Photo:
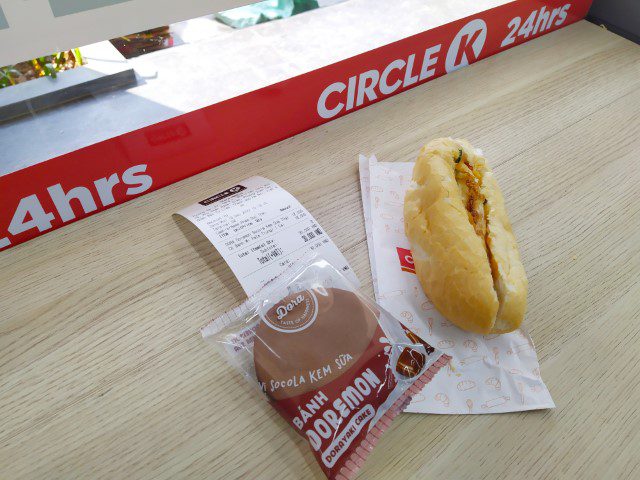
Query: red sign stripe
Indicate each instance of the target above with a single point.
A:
(50, 194)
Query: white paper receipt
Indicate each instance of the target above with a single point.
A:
(260, 229)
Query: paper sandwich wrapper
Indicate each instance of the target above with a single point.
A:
(488, 373)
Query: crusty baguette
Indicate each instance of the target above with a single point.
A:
(464, 250)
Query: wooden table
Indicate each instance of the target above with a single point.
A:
(103, 373)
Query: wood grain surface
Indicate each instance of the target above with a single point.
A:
(103, 374)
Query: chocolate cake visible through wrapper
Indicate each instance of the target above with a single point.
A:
(344, 327)
(337, 367)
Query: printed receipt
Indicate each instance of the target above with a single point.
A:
(260, 229)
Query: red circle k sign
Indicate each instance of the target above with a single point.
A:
(467, 45)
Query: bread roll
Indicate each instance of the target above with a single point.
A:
(464, 250)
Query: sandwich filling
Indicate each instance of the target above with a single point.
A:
(469, 179)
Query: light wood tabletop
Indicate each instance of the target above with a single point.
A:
(103, 373)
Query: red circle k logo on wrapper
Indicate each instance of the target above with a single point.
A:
(293, 313)
(406, 260)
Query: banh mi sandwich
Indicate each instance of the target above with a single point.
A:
(463, 248)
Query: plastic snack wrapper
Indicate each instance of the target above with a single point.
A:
(335, 365)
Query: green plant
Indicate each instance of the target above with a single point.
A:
(43, 67)
(46, 66)
(52, 64)
(78, 56)
(6, 76)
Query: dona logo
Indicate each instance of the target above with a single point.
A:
(283, 310)
(293, 313)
